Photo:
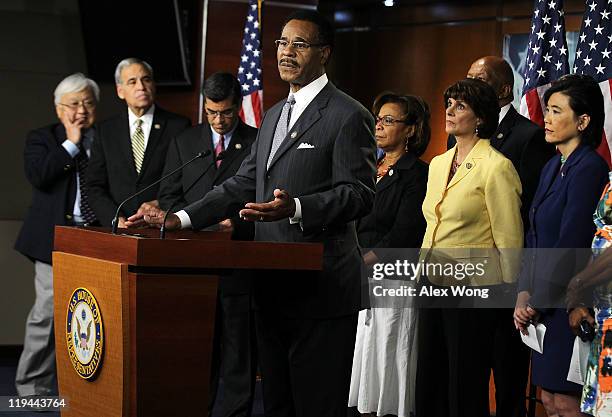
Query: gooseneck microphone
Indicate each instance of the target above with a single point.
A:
(162, 230)
(115, 223)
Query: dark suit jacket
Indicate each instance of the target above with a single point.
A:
(112, 173)
(561, 216)
(52, 172)
(522, 142)
(184, 147)
(397, 218)
(334, 181)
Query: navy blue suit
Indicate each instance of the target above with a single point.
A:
(561, 218)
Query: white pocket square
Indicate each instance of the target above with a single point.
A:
(305, 145)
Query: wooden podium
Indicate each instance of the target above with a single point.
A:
(157, 300)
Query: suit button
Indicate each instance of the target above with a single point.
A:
(68, 217)
(67, 167)
(267, 176)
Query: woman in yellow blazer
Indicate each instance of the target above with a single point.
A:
(472, 209)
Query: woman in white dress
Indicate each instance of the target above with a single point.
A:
(384, 362)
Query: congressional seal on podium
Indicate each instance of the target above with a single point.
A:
(84, 333)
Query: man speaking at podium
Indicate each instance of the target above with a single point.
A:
(312, 168)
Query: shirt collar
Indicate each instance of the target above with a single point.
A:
(504, 111)
(307, 93)
(147, 118)
(227, 137)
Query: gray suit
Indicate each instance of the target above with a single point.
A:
(334, 181)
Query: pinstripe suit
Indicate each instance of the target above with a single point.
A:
(300, 314)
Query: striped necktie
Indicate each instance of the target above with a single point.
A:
(281, 127)
(138, 145)
(82, 161)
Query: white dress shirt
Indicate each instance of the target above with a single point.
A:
(73, 150)
(147, 123)
(503, 112)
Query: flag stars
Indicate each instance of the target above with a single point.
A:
(558, 28)
(563, 50)
(250, 18)
(536, 12)
(593, 6)
(240, 70)
(546, 20)
(558, 65)
(553, 43)
(600, 69)
(604, 15)
(536, 49)
(547, 57)
(531, 64)
(249, 75)
(541, 34)
(599, 30)
(532, 28)
(587, 61)
(245, 87)
(541, 72)
(552, 4)
(244, 58)
(593, 45)
(582, 38)
(561, 12)
(605, 53)
(579, 53)
(587, 22)
(249, 47)
(256, 53)
(253, 35)
(256, 82)
(252, 65)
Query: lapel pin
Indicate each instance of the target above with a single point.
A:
(468, 165)
(238, 146)
(156, 126)
(500, 135)
(390, 172)
(293, 135)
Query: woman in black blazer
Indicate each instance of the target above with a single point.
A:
(384, 362)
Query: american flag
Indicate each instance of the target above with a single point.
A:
(593, 57)
(547, 56)
(249, 71)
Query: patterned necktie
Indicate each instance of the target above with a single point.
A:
(138, 145)
(82, 160)
(219, 148)
(281, 127)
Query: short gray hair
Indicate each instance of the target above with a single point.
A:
(74, 83)
(126, 63)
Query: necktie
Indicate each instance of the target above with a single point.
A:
(281, 127)
(219, 148)
(138, 145)
(81, 162)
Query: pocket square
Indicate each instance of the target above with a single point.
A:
(305, 145)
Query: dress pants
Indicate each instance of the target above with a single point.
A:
(234, 356)
(36, 371)
(306, 364)
(454, 365)
(510, 364)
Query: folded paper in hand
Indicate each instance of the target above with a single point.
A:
(578, 363)
(535, 337)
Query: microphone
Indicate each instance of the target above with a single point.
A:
(162, 230)
(115, 223)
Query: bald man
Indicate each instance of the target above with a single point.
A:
(521, 141)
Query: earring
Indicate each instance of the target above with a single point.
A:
(406, 145)
(477, 130)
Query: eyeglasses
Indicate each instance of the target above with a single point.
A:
(388, 120)
(283, 44)
(224, 114)
(88, 104)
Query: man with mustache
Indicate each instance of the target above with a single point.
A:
(309, 176)
(55, 159)
(131, 148)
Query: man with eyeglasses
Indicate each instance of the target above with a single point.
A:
(309, 176)
(131, 148)
(55, 159)
(234, 344)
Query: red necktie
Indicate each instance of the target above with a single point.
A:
(219, 148)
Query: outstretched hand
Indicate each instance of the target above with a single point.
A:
(282, 207)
